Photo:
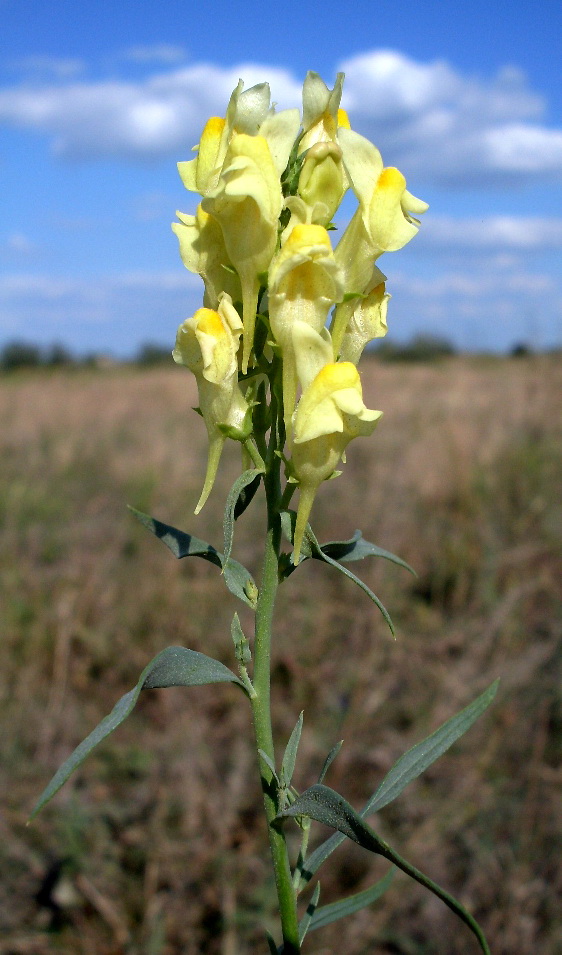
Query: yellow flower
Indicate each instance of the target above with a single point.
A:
(203, 251)
(245, 112)
(304, 283)
(321, 112)
(382, 223)
(208, 345)
(247, 203)
(367, 320)
(248, 112)
(330, 413)
(321, 180)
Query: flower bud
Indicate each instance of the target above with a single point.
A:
(321, 178)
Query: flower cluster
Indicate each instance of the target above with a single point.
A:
(270, 184)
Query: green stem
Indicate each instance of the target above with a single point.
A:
(256, 457)
(261, 707)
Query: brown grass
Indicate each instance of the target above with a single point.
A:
(157, 846)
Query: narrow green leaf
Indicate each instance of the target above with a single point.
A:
(270, 764)
(423, 754)
(407, 768)
(329, 760)
(354, 903)
(304, 923)
(178, 542)
(290, 755)
(175, 666)
(245, 479)
(311, 547)
(246, 496)
(273, 950)
(319, 553)
(357, 548)
(326, 806)
(241, 645)
(238, 580)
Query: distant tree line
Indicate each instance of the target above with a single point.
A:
(21, 355)
(18, 354)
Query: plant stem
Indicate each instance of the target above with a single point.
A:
(261, 707)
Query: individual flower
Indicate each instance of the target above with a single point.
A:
(367, 320)
(322, 179)
(384, 221)
(245, 112)
(330, 413)
(248, 112)
(321, 112)
(203, 251)
(247, 203)
(304, 283)
(208, 345)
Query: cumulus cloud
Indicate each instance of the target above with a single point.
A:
(497, 233)
(440, 125)
(450, 128)
(159, 116)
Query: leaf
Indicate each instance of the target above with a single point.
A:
(175, 666)
(304, 924)
(273, 950)
(408, 767)
(354, 903)
(270, 764)
(311, 547)
(357, 548)
(329, 760)
(180, 543)
(423, 754)
(245, 479)
(238, 580)
(319, 553)
(246, 496)
(326, 806)
(290, 755)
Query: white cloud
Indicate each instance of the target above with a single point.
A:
(159, 116)
(104, 313)
(158, 53)
(438, 124)
(495, 233)
(17, 244)
(450, 128)
(479, 308)
(61, 68)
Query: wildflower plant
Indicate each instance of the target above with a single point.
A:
(274, 349)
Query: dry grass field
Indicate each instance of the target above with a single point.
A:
(157, 846)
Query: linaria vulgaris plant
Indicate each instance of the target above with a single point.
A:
(274, 350)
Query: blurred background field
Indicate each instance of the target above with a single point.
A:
(157, 845)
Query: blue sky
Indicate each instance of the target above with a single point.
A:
(99, 100)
